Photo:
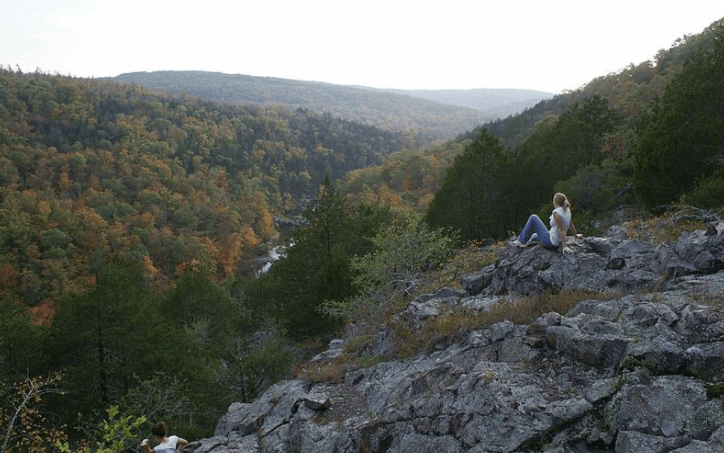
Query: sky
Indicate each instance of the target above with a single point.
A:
(551, 46)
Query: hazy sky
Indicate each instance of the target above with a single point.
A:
(548, 45)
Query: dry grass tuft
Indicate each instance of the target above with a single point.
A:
(714, 301)
(708, 299)
(322, 372)
(456, 324)
(440, 330)
(527, 309)
(667, 227)
(336, 370)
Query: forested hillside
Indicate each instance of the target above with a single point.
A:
(629, 91)
(390, 111)
(498, 102)
(91, 168)
(582, 142)
(126, 218)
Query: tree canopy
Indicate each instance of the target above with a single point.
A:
(471, 198)
(91, 169)
(681, 145)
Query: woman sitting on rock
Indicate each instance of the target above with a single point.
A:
(560, 221)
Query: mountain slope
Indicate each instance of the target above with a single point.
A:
(392, 110)
(499, 102)
(628, 91)
(413, 179)
(80, 157)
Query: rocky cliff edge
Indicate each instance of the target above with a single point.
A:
(640, 371)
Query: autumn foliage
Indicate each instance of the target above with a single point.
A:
(92, 169)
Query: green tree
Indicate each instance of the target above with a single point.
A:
(317, 267)
(21, 339)
(709, 191)
(197, 301)
(253, 363)
(471, 199)
(403, 254)
(162, 396)
(118, 433)
(202, 323)
(558, 149)
(681, 143)
(105, 336)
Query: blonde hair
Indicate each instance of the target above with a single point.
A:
(561, 200)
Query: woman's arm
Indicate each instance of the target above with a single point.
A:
(575, 232)
(181, 444)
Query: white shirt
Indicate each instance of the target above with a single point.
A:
(565, 215)
(167, 447)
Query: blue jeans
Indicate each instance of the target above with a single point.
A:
(536, 225)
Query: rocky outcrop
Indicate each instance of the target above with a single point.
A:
(639, 372)
(614, 263)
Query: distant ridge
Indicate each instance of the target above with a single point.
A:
(501, 102)
(399, 111)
